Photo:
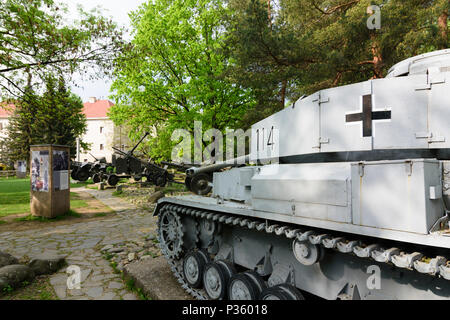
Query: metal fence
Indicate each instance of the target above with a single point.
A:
(8, 173)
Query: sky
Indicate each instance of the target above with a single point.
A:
(118, 10)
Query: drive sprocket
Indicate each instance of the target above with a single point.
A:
(171, 234)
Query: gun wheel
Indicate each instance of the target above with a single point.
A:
(200, 184)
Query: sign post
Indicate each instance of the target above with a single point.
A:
(50, 180)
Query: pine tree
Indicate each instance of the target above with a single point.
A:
(289, 48)
(20, 131)
(54, 118)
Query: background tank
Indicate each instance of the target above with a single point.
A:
(353, 206)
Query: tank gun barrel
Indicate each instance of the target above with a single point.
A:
(217, 166)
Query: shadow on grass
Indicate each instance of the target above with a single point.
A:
(69, 214)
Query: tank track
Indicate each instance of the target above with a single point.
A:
(438, 266)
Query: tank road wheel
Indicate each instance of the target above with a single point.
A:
(193, 267)
(200, 184)
(205, 255)
(281, 292)
(307, 253)
(257, 280)
(242, 287)
(96, 178)
(215, 280)
(112, 180)
(292, 291)
(171, 234)
(209, 227)
(227, 267)
(274, 293)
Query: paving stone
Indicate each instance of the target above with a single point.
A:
(108, 296)
(58, 280)
(80, 243)
(84, 274)
(102, 277)
(75, 292)
(60, 291)
(95, 292)
(129, 296)
(115, 285)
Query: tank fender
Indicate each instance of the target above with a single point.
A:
(159, 205)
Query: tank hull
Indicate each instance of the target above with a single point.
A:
(338, 275)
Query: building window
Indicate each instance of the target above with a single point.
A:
(101, 146)
(101, 129)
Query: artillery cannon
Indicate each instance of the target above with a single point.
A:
(81, 171)
(356, 206)
(130, 165)
(99, 169)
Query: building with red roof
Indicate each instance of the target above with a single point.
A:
(5, 112)
(101, 132)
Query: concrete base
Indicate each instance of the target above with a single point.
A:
(155, 278)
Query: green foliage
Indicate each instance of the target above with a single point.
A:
(174, 73)
(53, 118)
(291, 48)
(37, 38)
(117, 193)
(130, 283)
(111, 170)
(7, 289)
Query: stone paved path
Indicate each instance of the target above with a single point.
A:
(81, 244)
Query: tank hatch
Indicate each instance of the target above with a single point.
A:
(420, 64)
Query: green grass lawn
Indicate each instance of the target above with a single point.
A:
(79, 184)
(15, 197)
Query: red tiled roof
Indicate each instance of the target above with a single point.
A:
(98, 109)
(6, 110)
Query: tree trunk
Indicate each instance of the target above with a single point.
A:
(283, 94)
(377, 58)
(442, 23)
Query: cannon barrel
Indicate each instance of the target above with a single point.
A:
(217, 166)
(132, 150)
(93, 156)
(119, 151)
(182, 166)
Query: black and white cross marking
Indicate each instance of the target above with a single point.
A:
(367, 116)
